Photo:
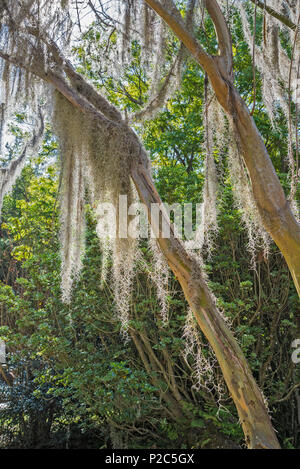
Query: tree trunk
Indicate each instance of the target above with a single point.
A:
(174, 405)
(247, 397)
(245, 393)
(241, 384)
(273, 207)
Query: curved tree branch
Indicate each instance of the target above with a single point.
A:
(243, 388)
(279, 16)
(275, 210)
(223, 35)
(290, 392)
(167, 10)
(9, 175)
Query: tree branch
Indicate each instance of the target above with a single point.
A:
(279, 16)
(223, 34)
(274, 209)
(167, 10)
(81, 85)
(9, 175)
(288, 395)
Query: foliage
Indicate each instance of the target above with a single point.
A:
(75, 376)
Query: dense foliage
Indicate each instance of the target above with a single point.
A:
(75, 381)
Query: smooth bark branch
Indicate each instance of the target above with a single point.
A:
(279, 16)
(273, 207)
(223, 35)
(245, 393)
(241, 384)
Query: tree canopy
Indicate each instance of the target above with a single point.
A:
(197, 102)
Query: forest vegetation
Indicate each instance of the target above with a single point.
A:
(149, 342)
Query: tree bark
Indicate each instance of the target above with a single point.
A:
(273, 207)
(245, 393)
(276, 14)
(247, 397)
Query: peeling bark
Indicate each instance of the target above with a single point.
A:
(247, 397)
(273, 207)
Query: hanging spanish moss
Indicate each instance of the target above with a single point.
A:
(148, 18)
(93, 160)
(280, 73)
(9, 175)
(68, 127)
(244, 200)
(162, 60)
(204, 365)
(220, 139)
(164, 89)
(208, 228)
(96, 156)
(160, 276)
(21, 37)
(124, 257)
(170, 84)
